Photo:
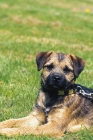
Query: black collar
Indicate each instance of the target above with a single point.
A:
(66, 92)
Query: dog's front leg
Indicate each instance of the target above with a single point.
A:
(34, 119)
(50, 129)
(56, 125)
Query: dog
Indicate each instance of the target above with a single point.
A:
(59, 107)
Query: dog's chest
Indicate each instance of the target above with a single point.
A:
(52, 104)
(52, 100)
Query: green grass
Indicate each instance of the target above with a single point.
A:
(28, 27)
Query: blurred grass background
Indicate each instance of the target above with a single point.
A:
(28, 27)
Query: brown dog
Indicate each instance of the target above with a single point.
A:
(58, 109)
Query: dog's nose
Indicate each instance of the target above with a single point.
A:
(56, 78)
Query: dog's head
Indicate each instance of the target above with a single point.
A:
(59, 70)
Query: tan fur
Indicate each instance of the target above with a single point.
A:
(71, 114)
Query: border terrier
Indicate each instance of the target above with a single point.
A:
(60, 105)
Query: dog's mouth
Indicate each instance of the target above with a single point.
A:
(56, 86)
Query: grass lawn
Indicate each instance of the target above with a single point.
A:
(28, 27)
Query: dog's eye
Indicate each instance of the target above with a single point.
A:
(67, 70)
(49, 67)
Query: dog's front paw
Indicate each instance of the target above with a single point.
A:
(9, 132)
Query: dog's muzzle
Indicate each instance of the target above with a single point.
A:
(56, 81)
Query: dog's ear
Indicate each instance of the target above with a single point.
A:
(41, 59)
(78, 64)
